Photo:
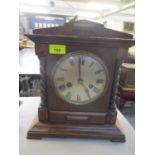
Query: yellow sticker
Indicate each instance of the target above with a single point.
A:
(57, 49)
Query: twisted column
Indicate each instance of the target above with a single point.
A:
(114, 97)
(43, 81)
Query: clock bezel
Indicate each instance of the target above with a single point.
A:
(82, 53)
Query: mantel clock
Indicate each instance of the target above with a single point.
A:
(80, 69)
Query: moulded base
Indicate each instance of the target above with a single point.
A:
(111, 132)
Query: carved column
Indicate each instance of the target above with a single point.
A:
(114, 97)
(121, 55)
(42, 111)
(112, 105)
(43, 81)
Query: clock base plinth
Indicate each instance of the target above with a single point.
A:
(111, 132)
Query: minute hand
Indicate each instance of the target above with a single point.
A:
(79, 69)
(85, 89)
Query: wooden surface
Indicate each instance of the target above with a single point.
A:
(67, 146)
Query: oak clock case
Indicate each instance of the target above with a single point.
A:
(79, 88)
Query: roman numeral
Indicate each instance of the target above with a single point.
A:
(68, 95)
(96, 90)
(99, 81)
(62, 87)
(82, 60)
(78, 98)
(98, 71)
(91, 64)
(87, 92)
(65, 70)
(71, 61)
(60, 79)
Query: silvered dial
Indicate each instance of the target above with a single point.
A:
(79, 78)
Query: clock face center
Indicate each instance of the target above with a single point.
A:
(69, 84)
(79, 78)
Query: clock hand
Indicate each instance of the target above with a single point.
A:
(79, 69)
(87, 92)
(80, 79)
(85, 89)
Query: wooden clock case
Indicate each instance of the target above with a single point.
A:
(96, 120)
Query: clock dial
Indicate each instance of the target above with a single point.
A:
(79, 78)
